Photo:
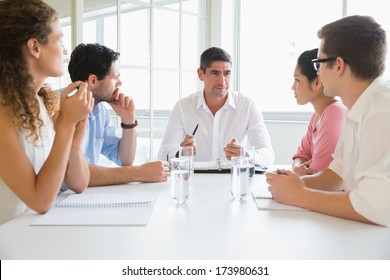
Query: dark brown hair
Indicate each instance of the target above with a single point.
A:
(306, 66)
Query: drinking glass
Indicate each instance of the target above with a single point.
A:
(188, 153)
(239, 177)
(180, 179)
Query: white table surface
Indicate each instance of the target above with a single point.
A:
(209, 226)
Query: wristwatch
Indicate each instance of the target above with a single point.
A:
(129, 126)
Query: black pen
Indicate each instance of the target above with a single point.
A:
(280, 171)
(196, 128)
(169, 165)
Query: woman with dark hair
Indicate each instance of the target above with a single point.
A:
(35, 158)
(356, 185)
(317, 146)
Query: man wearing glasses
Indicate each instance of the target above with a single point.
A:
(356, 185)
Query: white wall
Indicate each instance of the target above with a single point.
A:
(285, 137)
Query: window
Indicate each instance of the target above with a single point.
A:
(273, 34)
(160, 42)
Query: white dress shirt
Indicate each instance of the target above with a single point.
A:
(238, 118)
(362, 155)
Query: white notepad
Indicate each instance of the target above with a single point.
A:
(264, 201)
(100, 209)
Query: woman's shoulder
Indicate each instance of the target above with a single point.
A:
(337, 106)
(333, 114)
(334, 110)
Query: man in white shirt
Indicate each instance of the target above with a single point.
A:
(226, 119)
(356, 185)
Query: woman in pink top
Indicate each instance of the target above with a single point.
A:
(317, 146)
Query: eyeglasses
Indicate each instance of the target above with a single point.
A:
(317, 61)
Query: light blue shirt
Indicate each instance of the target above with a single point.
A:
(101, 137)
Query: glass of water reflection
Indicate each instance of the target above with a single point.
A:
(250, 154)
(188, 153)
(180, 179)
(239, 177)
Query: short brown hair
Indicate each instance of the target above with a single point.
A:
(360, 41)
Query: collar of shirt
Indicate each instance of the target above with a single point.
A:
(229, 102)
(96, 111)
(358, 109)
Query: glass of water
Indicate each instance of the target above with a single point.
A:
(250, 154)
(239, 177)
(180, 179)
(188, 153)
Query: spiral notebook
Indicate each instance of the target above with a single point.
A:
(100, 209)
(264, 201)
(217, 166)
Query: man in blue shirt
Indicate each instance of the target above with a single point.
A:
(98, 66)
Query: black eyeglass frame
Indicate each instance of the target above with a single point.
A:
(317, 61)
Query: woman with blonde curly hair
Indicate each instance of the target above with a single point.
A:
(40, 147)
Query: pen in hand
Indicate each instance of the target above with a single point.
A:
(193, 133)
(280, 171)
(72, 92)
(169, 164)
(196, 128)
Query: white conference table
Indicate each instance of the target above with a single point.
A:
(210, 225)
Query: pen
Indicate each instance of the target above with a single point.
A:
(72, 92)
(280, 171)
(196, 128)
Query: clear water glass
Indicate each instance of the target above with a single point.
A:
(251, 153)
(180, 179)
(239, 177)
(188, 153)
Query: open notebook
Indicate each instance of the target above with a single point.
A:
(217, 166)
(100, 209)
(264, 201)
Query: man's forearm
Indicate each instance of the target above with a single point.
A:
(103, 176)
(127, 147)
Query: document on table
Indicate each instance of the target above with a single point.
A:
(100, 209)
(264, 201)
(219, 167)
